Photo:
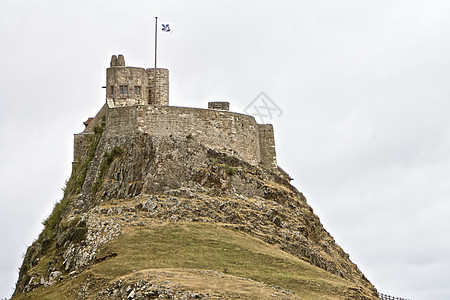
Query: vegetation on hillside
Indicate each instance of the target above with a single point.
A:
(186, 246)
(46, 242)
(174, 204)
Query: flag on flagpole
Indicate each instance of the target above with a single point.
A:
(167, 27)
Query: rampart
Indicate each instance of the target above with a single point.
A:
(228, 132)
(231, 133)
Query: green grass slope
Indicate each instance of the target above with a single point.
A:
(182, 248)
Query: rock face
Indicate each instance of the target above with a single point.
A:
(166, 284)
(208, 179)
(137, 180)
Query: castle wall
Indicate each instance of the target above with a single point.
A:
(130, 78)
(231, 133)
(132, 106)
(99, 118)
(267, 145)
(162, 86)
(82, 140)
(128, 86)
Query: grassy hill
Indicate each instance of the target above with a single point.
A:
(240, 265)
(167, 218)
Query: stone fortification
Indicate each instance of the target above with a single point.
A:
(217, 105)
(227, 132)
(230, 133)
(267, 146)
(130, 107)
(127, 86)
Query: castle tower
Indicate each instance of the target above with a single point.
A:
(128, 86)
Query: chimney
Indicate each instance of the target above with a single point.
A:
(218, 105)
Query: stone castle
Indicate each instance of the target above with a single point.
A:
(133, 104)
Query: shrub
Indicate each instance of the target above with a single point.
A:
(230, 170)
(55, 217)
(76, 180)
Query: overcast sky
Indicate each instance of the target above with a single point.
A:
(363, 86)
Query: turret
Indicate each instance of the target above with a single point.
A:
(128, 86)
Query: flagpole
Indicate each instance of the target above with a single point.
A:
(154, 73)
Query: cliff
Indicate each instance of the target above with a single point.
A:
(181, 203)
(153, 217)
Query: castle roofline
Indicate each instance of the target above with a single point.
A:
(140, 68)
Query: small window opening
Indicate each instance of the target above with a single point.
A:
(123, 90)
(137, 90)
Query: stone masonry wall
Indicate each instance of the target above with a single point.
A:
(267, 145)
(83, 140)
(137, 86)
(129, 77)
(232, 133)
(219, 105)
(162, 86)
(98, 119)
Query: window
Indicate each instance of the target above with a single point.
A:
(112, 90)
(123, 90)
(137, 90)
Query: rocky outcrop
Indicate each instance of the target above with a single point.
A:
(175, 284)
(138, 179)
